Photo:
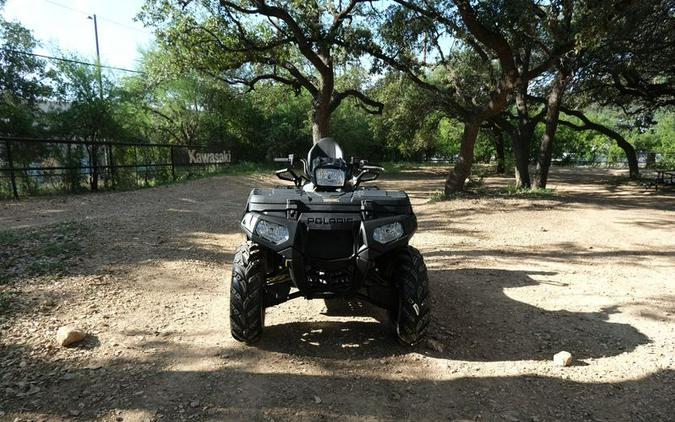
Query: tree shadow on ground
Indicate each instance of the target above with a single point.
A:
(566, 252)
(473, 320)
(135, 391)
(581, 187)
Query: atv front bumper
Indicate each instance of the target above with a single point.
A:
(331, 253)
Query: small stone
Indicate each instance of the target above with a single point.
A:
(317, 400)
(562, 358)
(194, 403)
(395, 396)
(434, 345)
(74, 413)
(67, 335)
(68, 376)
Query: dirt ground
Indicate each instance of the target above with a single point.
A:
(589, 269)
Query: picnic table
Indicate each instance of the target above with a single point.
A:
(664, 178)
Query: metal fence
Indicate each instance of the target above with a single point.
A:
(30, 166)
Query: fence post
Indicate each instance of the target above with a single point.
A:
(173, 165)
(111, 163)
(12, 176)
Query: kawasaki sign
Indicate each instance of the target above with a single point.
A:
(196, 157)
(202, 156)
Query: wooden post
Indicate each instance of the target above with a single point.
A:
(12, 176)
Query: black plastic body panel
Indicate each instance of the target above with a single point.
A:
(330, 247)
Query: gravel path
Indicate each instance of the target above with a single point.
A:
(589, 270)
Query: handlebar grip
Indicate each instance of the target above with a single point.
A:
(281, 160)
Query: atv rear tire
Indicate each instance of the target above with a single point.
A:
(412, 282)
(247, 293)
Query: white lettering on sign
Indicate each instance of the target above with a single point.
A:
(209, 157)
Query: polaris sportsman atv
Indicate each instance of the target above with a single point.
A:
(327, 237)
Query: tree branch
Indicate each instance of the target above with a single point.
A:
(277, 12)
(493, 40)
(340, 16)
(364, 101)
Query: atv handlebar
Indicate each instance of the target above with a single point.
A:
(360, 170)
(372, 168)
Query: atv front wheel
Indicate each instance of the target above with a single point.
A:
(247, 293)
(412, 282)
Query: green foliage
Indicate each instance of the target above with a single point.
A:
(512, 191)
(412, 125)
(21, 80)
(196, 91)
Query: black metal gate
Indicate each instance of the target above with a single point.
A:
(31, 166)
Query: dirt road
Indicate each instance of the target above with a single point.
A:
(589, 270)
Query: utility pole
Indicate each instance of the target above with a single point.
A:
(98, 57)
(94, 149)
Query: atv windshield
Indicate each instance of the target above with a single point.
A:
(325, 166)
(324, 151)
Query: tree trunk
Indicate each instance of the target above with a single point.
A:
(552, 114)
(628, 149)
(457, 177)
(521, 142)
(320, 123)
(521, 152)
(631, 157)
(499, 148)
(321, 103)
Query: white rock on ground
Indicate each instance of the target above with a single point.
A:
(68, 335)
(434, 345)
(562, 358)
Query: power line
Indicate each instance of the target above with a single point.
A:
(143, 31)
(67, 7)
(114, 22)
(72, 61)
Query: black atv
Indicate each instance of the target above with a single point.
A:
(329, 237)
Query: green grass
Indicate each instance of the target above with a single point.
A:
(511, 191)
(476, 188)
(250, 168)
(398, 166)
(43, 251)
(437, 197)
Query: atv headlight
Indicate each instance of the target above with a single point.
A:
(330, 177)
(388, 232)
(275, 233)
